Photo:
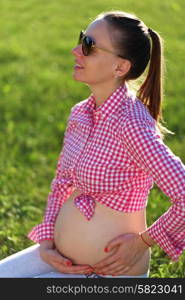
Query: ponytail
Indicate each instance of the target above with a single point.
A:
(151, 91)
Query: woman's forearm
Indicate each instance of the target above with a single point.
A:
(147, 239)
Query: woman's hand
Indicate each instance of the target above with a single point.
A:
(125, 251)
(51, 256)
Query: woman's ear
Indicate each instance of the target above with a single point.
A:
(123, 67)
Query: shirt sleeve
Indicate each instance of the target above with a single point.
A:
(61, 188)
(144, 144)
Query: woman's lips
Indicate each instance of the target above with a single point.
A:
(78, 67)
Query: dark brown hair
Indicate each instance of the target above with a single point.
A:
(140, 44)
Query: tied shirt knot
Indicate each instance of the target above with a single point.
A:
(86, 205)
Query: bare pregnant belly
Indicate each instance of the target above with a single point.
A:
(84, 241)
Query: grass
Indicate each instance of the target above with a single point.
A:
(37, 92)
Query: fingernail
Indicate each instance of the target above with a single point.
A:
(106, 249)
(69, 263)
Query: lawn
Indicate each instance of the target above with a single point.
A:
(37, 92)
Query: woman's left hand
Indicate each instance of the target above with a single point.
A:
(125, 251)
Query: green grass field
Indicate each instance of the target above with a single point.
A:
(37, 92)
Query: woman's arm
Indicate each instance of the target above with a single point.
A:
(61, 188)
(142, 141)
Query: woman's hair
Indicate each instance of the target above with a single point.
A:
(140, 44)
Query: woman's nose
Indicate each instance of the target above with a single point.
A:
(77, 50)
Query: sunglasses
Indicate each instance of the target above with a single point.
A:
(88, 45)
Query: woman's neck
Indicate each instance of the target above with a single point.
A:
(102, 93)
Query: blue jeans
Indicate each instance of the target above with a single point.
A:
(28, 264)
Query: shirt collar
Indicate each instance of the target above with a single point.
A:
(110, 105)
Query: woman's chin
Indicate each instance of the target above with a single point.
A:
(78, 78)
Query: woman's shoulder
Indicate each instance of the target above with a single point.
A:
(138, 112)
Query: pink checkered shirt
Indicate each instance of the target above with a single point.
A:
(114, 154)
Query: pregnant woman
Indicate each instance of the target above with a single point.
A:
(113, 152)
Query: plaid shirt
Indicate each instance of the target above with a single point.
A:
(114, 154)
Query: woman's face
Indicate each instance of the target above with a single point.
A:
(99, 67)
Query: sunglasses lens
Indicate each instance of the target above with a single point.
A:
(86, 45)
(86, 42)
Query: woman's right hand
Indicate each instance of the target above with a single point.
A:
(51, 256)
